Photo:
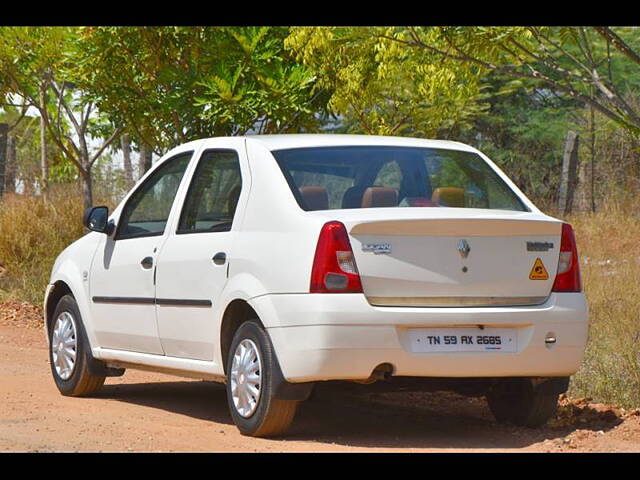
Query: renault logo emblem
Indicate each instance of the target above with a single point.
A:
(464, 248)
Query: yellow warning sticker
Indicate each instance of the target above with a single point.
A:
(538, 272)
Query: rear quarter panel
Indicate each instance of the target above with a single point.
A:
(275, 250)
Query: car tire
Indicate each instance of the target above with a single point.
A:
(68, 347)
(519, 403)
(251, 363)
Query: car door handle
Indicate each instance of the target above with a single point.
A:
(219, 258)
(147, 262)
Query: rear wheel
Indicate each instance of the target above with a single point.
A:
(250, 385)
(519, 403)
(68, 349)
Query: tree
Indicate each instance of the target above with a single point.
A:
(8, 146)
(380, 87)
(172, 84)
(573, 61)
(523, 131)
(37, 61)
(126, 157)
(24, 170)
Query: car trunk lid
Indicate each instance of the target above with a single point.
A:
(457, 257)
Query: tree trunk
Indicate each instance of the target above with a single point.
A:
(44, 164)
(4, 132)
(592, 151)
(87, 187)
(569, 171)
(10, 169)
(126, 154)
(145, 158)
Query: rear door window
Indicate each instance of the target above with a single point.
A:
(213, 195)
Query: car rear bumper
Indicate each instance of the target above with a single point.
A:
(342, 337)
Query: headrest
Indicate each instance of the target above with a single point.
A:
(352, 197)
(380, 197)
(448, 196)
(315, 197)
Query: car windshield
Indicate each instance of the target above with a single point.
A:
(328, 178)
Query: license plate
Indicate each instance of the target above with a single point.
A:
(463, 340)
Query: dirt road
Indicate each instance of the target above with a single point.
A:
(152, 412)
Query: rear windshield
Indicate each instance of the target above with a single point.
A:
(329, 178)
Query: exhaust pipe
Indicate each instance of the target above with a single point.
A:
(381, 372)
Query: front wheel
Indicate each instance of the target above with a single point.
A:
(251, 364)
(520, 403)
(68, 351)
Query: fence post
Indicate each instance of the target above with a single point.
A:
(4, 132)
(569, 177)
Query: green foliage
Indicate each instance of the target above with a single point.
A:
(62, 171)
(42, 59)
(175, 84)
(380, 86)
(577, 62)
(256, 82)
(28, 55)
(523, 131)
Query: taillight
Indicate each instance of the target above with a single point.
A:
(334, 267)
(568, 275)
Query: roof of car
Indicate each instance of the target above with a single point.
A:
(300, 140)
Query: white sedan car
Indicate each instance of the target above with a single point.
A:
(271, 263)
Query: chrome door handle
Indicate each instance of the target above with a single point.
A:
(147, 262)
(219, 258)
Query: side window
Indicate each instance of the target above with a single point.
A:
(147, 211)
(213, 194)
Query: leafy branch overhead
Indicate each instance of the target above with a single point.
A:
(387, 78)
(574, 61)
(173, 84)
(379, 87)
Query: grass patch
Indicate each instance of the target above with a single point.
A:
(33, 232)
(610, 261)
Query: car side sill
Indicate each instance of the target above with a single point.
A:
(182, 367)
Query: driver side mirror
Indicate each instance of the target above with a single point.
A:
(96, 219)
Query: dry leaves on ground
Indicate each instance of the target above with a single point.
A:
(20, 314)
